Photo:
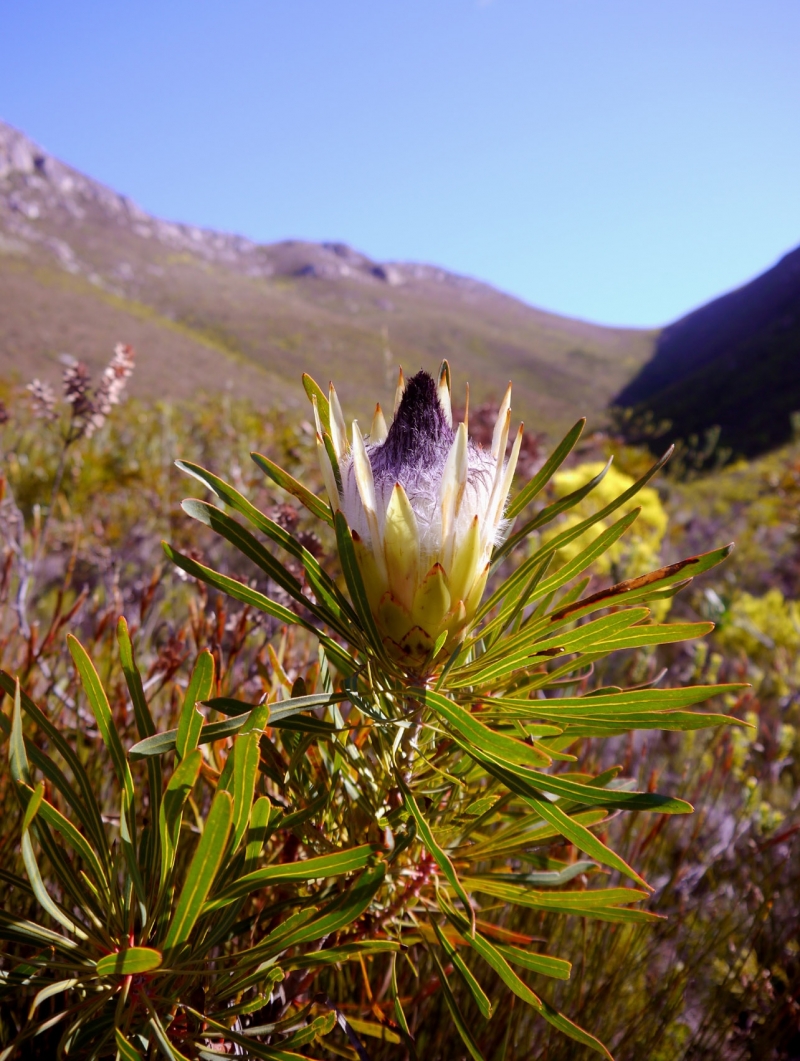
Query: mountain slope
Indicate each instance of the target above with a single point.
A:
(734, 363)
(82, 267)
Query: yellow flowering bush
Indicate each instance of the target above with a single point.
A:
(766, 630)
(640, 548)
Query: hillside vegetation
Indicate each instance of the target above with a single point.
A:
(716, 980)
(82, 267)
(732, 364)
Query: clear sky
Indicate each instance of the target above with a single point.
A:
(617, 160)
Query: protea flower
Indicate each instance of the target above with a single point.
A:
(425, 507)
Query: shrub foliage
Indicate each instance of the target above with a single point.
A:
(307, 871)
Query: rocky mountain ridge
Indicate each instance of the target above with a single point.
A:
(82, 267)
(37, 184)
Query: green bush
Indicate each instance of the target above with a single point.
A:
(458, 829)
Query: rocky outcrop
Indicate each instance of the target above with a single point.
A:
(37, 188)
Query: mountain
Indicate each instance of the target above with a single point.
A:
(733, 364)
(82, 267)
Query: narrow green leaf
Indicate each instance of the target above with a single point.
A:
(608, 704)
(98, 702)
(127, 1051)
(161, 743)
(655, 634)
(239, 591)
(333, 458)
(575, 640)
(168, 1048)
(292, 486)
(17, 930)
(202, 871)
(567, 826)
(341, 912)
(571, 533)
(34, 803)
(476, 991)
(253, 1047)
(398, 1009)
(169, 822)
(321, 866)
(355, 584)
(585, 558)
(375, 1030)
(64, 873)
(323, 586)
(512, 607)
(583, 902)
(18, 760)
(191, 720)
(313, 390)
(429, 840)
(144, 720)
(549, 513)
(129, 962)
(543, 964)
(60, 987)
(680, 721)
(547, 471)
(245, 773)
(42, 895)
(56, 820)
(258, 831)
(521, 835)
(491, 955)
(280, 715)
(250, 547)
(458, 1018)
(523, 650)
(84, 806)
(573, 1031)
(591, 795)
(227, 705)
(474, 731)
(146, 727)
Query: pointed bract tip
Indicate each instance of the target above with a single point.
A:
(444, 374)
(401, 386)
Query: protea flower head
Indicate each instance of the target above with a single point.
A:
(425, 507)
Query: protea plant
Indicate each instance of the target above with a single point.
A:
(431, 747)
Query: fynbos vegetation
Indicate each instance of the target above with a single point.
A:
(387, 775)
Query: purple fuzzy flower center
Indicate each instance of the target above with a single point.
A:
(419, 437)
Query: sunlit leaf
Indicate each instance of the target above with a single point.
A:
(202, 871)
(130, 961)
(547, 471)
(304, 496)
(319, 866)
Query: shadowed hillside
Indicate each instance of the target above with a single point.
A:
(82, 267)
(734, 363)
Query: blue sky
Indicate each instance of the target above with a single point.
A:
(616, 160)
